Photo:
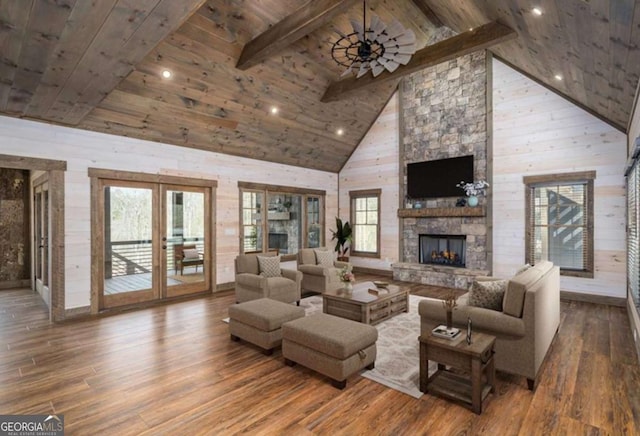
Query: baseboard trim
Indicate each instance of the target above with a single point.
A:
(77, 312)
(379, 272)
(15, 284)
(596, 299)
(220, 287)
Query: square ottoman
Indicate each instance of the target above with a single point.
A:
(333, 346)
(259, 321)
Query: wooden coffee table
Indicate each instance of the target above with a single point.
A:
(362, 306)
(474, 360)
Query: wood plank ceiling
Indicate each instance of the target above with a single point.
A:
(97, 65)
(593, 44)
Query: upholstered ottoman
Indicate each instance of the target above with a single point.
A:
(259, 321)
(333, 346)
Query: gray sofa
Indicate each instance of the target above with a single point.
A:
(318, 278)
(524, 329)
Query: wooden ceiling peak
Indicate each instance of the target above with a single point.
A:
(310, 17)
(464, 43)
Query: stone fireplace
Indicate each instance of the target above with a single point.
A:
(444, 113)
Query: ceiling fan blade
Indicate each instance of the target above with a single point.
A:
(339, 32)
(403, 50)
(401, 58)
(376, 68)
(407, 38)
(364, 68)
(357, 28)
(391, 65)
(395, 29)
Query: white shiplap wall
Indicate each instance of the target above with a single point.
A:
(375, 165)
(83, 149)
(537, 132)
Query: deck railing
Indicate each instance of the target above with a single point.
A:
(125, 258)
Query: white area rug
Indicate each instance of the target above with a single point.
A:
(398, 361)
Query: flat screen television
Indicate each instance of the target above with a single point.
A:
(438, 178)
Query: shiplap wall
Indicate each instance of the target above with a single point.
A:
(83, 149)
(374, 165)
(537, 132)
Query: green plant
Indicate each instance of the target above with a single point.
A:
(343, 236)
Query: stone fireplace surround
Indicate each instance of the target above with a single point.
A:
(444, 114)
(473, 227)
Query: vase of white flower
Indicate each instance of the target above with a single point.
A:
(473, 190)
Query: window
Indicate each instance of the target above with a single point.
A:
(251, 230)
(280, 218)
(559, 221)
(365, 221)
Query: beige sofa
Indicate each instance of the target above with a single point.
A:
(250, 285)
(318, 278)
(524, 329)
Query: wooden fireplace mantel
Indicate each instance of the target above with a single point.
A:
(441, 212)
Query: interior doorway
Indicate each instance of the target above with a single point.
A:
(52, 263)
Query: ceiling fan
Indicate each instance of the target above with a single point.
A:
(374, 48)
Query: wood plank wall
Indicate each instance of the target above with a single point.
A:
(537, 132)
(374, 165)
(83, 149)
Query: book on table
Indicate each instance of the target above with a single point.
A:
(447, 333)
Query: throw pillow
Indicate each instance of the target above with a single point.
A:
(324, 257)
(190, 253)
(488, 294)
(522, 269)
(269, 266)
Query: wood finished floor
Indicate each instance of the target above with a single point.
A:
(171, 369)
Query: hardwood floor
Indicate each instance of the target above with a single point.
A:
(171, 369)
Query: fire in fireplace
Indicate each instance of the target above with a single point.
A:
(443, 249)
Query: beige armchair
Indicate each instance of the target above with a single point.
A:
(250, 285)
(318, 278)
(525, 327)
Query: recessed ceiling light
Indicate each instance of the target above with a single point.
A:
(274, 110)
(536, 11)
(558, 77)
(340, 132)
(470, 29)
(166, 74)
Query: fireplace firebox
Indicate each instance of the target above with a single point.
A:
(443, 250)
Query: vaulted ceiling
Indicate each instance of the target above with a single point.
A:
(98, 65)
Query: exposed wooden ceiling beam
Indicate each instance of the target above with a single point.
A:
(305, 20)
(428, 12)
(483, 37)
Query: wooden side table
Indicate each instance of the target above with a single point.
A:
(475, 360)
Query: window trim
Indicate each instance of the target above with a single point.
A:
(364, 193)
(583, 177)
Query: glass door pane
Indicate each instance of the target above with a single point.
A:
(185, 238)
(284, 222)
(314, 224)
(128, 244)
(252, 222)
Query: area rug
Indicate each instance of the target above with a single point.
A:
(398, 360)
